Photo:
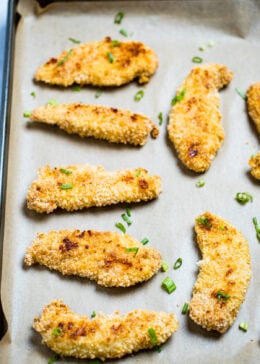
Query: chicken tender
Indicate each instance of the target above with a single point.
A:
(225, 273)
(109, 258)
(195, 121)
(253, 104)
(254, 162)
(103, 337)
(100, 122)
(100, 63)
(82, 186)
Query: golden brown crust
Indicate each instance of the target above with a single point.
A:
(195, 122)
(253, 104)
(89, 64)
(225, 267)
(90, 186)
(254, 163)
(100, 122)
(98, 255)
(103, 337)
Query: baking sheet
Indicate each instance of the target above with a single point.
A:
(175, 30)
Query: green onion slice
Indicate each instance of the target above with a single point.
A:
(27, 114)
(211, 43)
(202, 48)
(205, 221)
(76, 88)
(138, 173)
(178, 263)
(123, 32)
(241, 93)
(178, 97)
(73, 40)
(133, 249)
(57, 331)
(168, 285)
(33, 94)
(222, 295)
(139, 95)
(257, 228)
(144, 241)
(164, 266)
(110, 57)
(94, 314)
(53, 102)
(185, 308)
(66, 186)
(160, 117)
(158, 348)
(115, 43)
(119, 17)
(65, 171)
(65, 58)
(121, 227)
(243, 326)
(153, 336)
(98, 94)
(243, 197)
(126, 219)
(197, 59)
(128, 211)
(201, 182)
(53, 359)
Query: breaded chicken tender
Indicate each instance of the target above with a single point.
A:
(254, 163)
(225, 273)
(253, 104)
(103, 337)
(195, 121)
(100, 63)
(100, 122)
(82, 186)
(109, 258)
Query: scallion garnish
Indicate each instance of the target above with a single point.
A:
(53, 102)
(133, 249)
(164, 266)
(158, 348)
(110, 57)
(115, 43)
(138, 173)
(57, 331)
(123, 32)
(222, 295)
(66, 186)
(121, 227)
(185, 308)
(153, 336)
(65, 58)
(205, 221)
(197, 59)
(119, 17)
(65, 171)
(202, 48)
(168, 285)
(73, 40)
(178, 97)
(178, 263)
(27, 114)
(144, 241)
(243, 197)
(98, 94)
(128, 211)
(76, 88)
(257, 228)
(139, 95)
(241, 93)
(53, 359)
(243, 326)
(126, 219)
(94, 314)
(160, 117)
(211, 43)
(33, 94)
(201, 182)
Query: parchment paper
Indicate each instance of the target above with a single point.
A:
(175, 30)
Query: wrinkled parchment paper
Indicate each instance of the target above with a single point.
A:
(175, 30)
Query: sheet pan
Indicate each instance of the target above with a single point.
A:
(175, 30)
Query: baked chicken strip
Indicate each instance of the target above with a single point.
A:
(100, 122)
(103, 337)
(195, 121)
(225, 273)
(254, 163)
(80, 186)
(100, 63)
(109, 258)
(253, 104)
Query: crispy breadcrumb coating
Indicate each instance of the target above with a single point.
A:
(254, 163)
(253, 104)
(100, 63)
(224, 276)
(86, 186)
(103, 337)
(100, 122)
(102, 256)
(195, 121)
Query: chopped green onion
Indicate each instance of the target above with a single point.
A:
(205, 221)
(53, 359)
(98, 94)
(138, 173)
(121, 227)
(132, 249)
(153, 336)
(168, 285)
(197, 59)
(33, 94)
(177, 264)
(65, 58)
(123, 32)
(211, 43)
(223, 295)
(160, 117)
(53, 102)
(243, 197)
(76, 88)
(27, 114)
(178, 97)
(164, 266)
(202, 48)
(65, 171)
(222, 227)
(144, 241)
(119, 17)
(94, 314)
(73, 40)
(243, 326)
(66, 186)
(128, 211)
(201, 182)
(139, 95)
(57, 331)
(185, 308)
(115, 43)
(126, 219)
(241, 93)
(95, 361)
(110, 57)
(158, 348)
(257, 228)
